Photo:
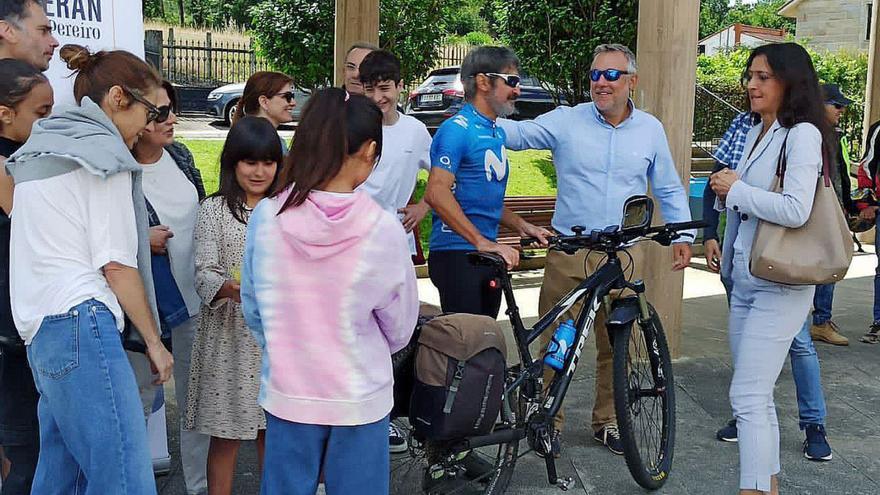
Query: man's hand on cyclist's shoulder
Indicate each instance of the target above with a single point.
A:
(510, 255)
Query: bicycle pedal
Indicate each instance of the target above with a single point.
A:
(565, 484)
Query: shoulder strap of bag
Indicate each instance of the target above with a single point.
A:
(453, 387)
(782, 163)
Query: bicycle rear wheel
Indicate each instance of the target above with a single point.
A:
(644, 399)
(410, 470)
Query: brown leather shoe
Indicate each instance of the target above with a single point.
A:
(828, 332)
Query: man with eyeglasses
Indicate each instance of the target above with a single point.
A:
(467, 183)
(26, 35)
(604, 152)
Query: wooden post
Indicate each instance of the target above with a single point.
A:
(667, 59)
(872, 91)
(356, 20)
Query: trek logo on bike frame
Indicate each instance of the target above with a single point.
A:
(588, 326)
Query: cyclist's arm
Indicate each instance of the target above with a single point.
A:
(438, 195)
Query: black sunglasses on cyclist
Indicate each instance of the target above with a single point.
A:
(154, 113)
(511, 80)
(287, 95)
(611, 75)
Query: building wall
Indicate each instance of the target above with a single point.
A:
(834, 24)
(722, 40)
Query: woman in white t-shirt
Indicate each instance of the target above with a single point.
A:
(173, 189)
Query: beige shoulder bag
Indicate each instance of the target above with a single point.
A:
(818, 252)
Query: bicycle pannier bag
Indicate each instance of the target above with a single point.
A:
(403, 363)
(459, 382)
(818, 252)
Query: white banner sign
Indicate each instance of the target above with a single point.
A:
(96, 25)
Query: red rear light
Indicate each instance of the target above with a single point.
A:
(453, 92)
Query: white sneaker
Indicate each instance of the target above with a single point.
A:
(396, 439)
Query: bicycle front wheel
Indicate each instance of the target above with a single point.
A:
(644, 399)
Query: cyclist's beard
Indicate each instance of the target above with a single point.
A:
(502, 108)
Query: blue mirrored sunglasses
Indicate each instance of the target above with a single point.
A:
(611, 75)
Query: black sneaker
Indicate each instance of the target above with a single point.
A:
(610, 437)
(816, 446)
(555, 445)
(440, 480)
(396, 439)
(728, 433)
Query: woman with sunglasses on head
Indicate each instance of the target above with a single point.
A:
(173, 189)
(765, 316)
(25, 97)
(80, 257)
(225, 376)
(269, 95)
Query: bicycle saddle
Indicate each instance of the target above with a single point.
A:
(485, 259)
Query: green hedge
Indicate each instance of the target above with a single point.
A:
(721, 74)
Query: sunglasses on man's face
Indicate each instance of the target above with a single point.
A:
(287, 95)
(511, 80)
(154, 113)
(610, 75)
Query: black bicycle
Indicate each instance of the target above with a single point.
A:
(644, 393)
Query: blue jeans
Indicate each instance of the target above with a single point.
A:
(355, 458)
(807, 377)
(93, 437)
(822, 303)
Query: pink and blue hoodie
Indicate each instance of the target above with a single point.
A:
(329, 291)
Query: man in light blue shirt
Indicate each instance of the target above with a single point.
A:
(604, 152)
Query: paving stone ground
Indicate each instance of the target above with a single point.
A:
(702, 465)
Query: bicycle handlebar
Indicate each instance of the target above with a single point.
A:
(613, 238)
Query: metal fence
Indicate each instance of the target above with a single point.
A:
(713, 114)
(197, 63)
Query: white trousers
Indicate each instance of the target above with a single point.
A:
(193, 445)
(764, 318)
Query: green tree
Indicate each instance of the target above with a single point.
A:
(713, 15)
(762, 13)
(555, 38)
(296, 36)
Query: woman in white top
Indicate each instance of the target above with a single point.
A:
(173, 189)
(765, 316)
(79, 258)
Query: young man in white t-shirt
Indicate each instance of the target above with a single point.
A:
(406, 148)
(406, 144)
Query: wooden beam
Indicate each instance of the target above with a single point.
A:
(872, 90)
(356, 20)
(667, 59)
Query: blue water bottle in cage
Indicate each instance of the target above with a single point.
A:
(558, 349)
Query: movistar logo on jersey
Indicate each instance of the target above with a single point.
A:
(495, 167)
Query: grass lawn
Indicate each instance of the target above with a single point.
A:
(531, 174)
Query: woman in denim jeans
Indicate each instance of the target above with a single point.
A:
(79, 257)
(765, 316)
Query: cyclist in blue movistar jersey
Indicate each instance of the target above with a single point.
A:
(467, 184)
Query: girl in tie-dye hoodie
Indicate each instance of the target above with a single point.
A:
(329, 292)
